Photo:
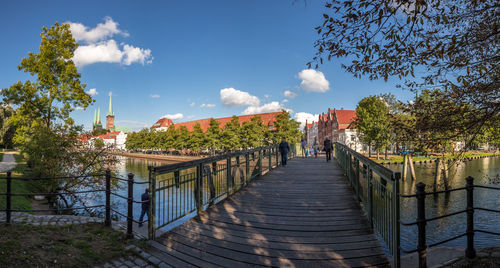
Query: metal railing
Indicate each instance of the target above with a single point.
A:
(108, 193)
(178, 190)
(377, 188)
(421, 220)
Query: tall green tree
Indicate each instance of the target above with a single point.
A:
(230, 137)
(57, 89)
(197, 138)
(285, 127)
(7, 131)
(253, 133)
(212, 137)
(372, 121)
(183, 138)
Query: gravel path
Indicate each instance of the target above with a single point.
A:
(8, 162)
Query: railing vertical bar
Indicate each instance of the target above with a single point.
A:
(8, 197)
(396, 250)
(130, 200)
(422, 245)
(470, 252)
(107, 221)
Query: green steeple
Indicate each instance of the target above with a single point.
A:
(95, 117)
(98, 116)
(110, 109)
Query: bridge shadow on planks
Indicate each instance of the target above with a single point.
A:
(301, 215)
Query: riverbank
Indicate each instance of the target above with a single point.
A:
(170, 158)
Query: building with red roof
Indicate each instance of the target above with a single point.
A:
(163, 123)
(338, 126)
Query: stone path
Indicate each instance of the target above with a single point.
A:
(8, 162)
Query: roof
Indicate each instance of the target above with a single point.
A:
(163, 122)
(345, 118)
(110, 135)
(267, 119)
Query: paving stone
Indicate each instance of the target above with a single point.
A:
(495, 254)
(164, 265)
(117, 263)
(129, 264)
(483, 254)
(131, 247)
(145, 255)
(140, 262)
(154, 260)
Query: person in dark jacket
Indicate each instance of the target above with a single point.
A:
(284, 149)
(328, 148)
(145, 206)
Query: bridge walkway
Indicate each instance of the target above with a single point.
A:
(302, 215)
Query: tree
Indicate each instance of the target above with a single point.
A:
(183, 138)
(372, 122)
(57, 90)
(7, 131)
(98, 143)
(230, 136)
(253, 132)
(453, 45)
(285, 127)
(197, 138)
(212, 138)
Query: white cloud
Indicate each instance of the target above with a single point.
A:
(92, 92)
(266, 108)
(79, 108)
(267, 96)
(290, 94)
(302, 117)
(102, 31)
(313, 80)
(100, 47)
(192, 104)
(154, 96)
(190, 116)
(208, 105)
(176, 116)
(285, 101)
(135, 54)
(102, 52)
(234, 97)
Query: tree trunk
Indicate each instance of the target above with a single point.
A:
(378, 154)
(369, 150)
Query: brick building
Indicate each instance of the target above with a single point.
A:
(338, 126)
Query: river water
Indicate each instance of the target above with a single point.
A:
(485, 171)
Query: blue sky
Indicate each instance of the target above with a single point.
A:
(197, 59)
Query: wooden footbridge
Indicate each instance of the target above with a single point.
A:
(305, 214)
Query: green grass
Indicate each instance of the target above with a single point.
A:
(421, 158)
(61, 246)
(21, 170)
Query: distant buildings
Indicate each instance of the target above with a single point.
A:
(267, 118)
(338, 126)
(311, 132)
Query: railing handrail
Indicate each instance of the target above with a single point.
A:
(377, 167)
(183, 165)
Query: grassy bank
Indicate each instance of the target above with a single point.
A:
(61, 246)
(399, 158)
(21, 170)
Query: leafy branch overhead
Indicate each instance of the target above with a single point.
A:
(449, 45)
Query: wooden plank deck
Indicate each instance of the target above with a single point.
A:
(301, 215)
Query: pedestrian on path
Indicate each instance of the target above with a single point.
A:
(315, 147)
(284, 149)
(145, 206)
(303, 147)
(328, 148)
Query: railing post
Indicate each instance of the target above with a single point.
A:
(370, 197)
(260, 162)
(422, 245)
(276, 151)
(357, 177)
(198, 192)
(470, 252)
(130, 200)
(8, 209)
(247, 168)
(270, 160)
(107, 221)
(152, 205)
(396, 250)
(228, 176)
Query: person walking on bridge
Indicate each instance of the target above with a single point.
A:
(284, 149)
(303, 147)
(328, 148)
(144, 205)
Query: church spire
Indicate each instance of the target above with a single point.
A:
(110, 109)
(95, 118)
(99, 116)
